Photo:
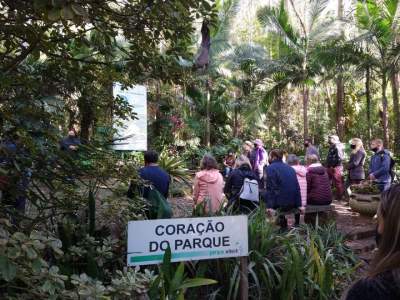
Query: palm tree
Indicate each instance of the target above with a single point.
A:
(297, 39)
(380, 23)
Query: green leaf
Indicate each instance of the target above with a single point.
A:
(67, 13)
(178, 277)
(79, 10)
(39, 4)
(8, 269)
(37, 265)
(195, 282)
(31, 253)
(166, 266)
(53, 14)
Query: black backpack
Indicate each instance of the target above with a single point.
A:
(392, 164)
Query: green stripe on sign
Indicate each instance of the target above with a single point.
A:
(159, 257)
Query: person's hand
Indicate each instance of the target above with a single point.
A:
(72, 147)
(371, 177)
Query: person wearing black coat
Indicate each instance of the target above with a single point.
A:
(234, 184)
(356, 162)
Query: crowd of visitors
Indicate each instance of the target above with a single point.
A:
(282, 181)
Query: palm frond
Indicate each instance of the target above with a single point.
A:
(221, 32)
(315, 12)
(276, 21)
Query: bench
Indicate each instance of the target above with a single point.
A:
(324, 213)
(321, 212)
(319, 208)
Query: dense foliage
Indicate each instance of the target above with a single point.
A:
(280, 73)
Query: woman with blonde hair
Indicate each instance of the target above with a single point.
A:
(383, 279)
(247, 147)
(234, 184)
(356, 162)
(208, 185)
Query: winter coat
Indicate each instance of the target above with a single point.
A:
(356, 165)
(158, 177)
(335, 156)
(318, 186)
(380, 166)
(209, 183)
(301, 173)
(385, 286)
(234, 182)
(282, 187)
(69, 141)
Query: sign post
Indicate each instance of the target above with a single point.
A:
(244, 278)
(188, 239)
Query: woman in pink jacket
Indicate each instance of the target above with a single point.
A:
(301, 173)
(208, 185)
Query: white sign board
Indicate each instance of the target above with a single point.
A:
(188, 238)
(132, 135)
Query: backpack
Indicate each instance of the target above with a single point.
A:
(250, 190)
(391, 168)
(159, 206)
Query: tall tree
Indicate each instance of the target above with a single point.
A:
(379, 21)
(298, 38)
(340, 120)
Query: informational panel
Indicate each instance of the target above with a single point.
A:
(132, 135)
(188, 239)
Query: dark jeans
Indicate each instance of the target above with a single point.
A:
(282, 221)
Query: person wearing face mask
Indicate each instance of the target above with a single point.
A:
(310, 148)
(334, 164)
(356, 162)
(380, 165)
(383, 278)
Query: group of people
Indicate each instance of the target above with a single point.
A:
(278, 178)
(288, 184)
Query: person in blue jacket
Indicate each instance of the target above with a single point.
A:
(380, 164)
(282, 190)
(154, 174)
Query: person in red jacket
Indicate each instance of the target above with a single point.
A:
(318, 184)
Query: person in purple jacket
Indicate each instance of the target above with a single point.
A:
(318, 184)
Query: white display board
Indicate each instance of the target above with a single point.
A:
(188, 239)
(132, 135)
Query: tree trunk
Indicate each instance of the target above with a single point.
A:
(235, 116)
(158, 114)
(368, 96)
(86, 117)
(340, 9)
(394, 78)
(306, 93)
(279, 112)
(340, 120)
(110, 106)
(208, 117)
(385, 111)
